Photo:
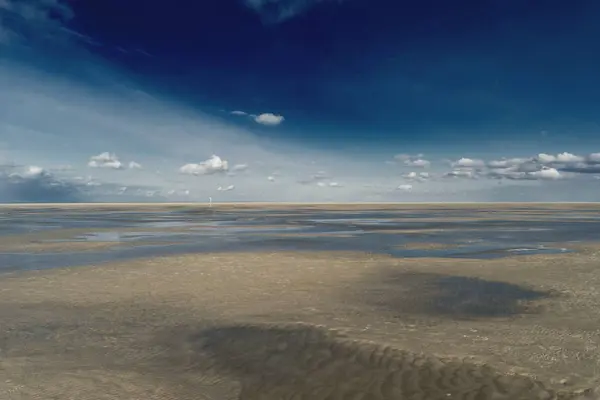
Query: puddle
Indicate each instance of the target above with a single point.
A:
(484, 252)
(168, 224)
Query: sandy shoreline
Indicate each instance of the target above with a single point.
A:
(117, 330)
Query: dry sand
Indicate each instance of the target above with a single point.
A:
(139, 329)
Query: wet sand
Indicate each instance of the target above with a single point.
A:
(527, 207)
(159, 328)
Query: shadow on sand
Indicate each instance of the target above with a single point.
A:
(450, 296)
(147, 353)
(308, 362)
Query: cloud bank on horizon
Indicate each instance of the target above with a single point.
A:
(107, 138)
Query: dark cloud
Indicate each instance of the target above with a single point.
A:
(20, 184)
(582, 168)
(37, 186)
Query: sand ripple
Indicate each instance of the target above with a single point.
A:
(308, 362)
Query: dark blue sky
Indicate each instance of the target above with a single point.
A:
(377, 70)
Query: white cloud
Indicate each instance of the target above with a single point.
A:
(329, 184)
(239, 167)
(134, 165)
(544, 158)
(468, 163)
(405, 187)
(33, 172)
(271, 178)
(226, 189)
(417, 176)
(526, 168)
(417, 163)
(461, 173)
(507, 162)
(105, 160)
(211, 166)
(559, 158)
(320, 175)
(546, 173)
(407, 157)
(269, 119)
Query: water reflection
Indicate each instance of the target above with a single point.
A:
(498, 234)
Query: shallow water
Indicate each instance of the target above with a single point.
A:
(496, 234)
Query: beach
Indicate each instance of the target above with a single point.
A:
(126, 329)
(119, 329)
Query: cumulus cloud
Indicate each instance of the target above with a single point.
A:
(544, 173)
(329, 184)
(405, 187)
(410, 160)
(468, 163)
(417, 163)
(417, 176)
(507, 162)
(269, 119)
(544, 166)
(568, 162)
(213, 165)
(559, 158)
(105, 160)
(134, 165)
(540, 167)
(226, 188)
(462, 173)
(406, 157)
(415, 160)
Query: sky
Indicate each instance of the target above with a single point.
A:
(299, 100)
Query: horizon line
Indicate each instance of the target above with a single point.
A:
(206, 203)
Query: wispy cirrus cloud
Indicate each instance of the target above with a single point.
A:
(33, 21)
(276, 11)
